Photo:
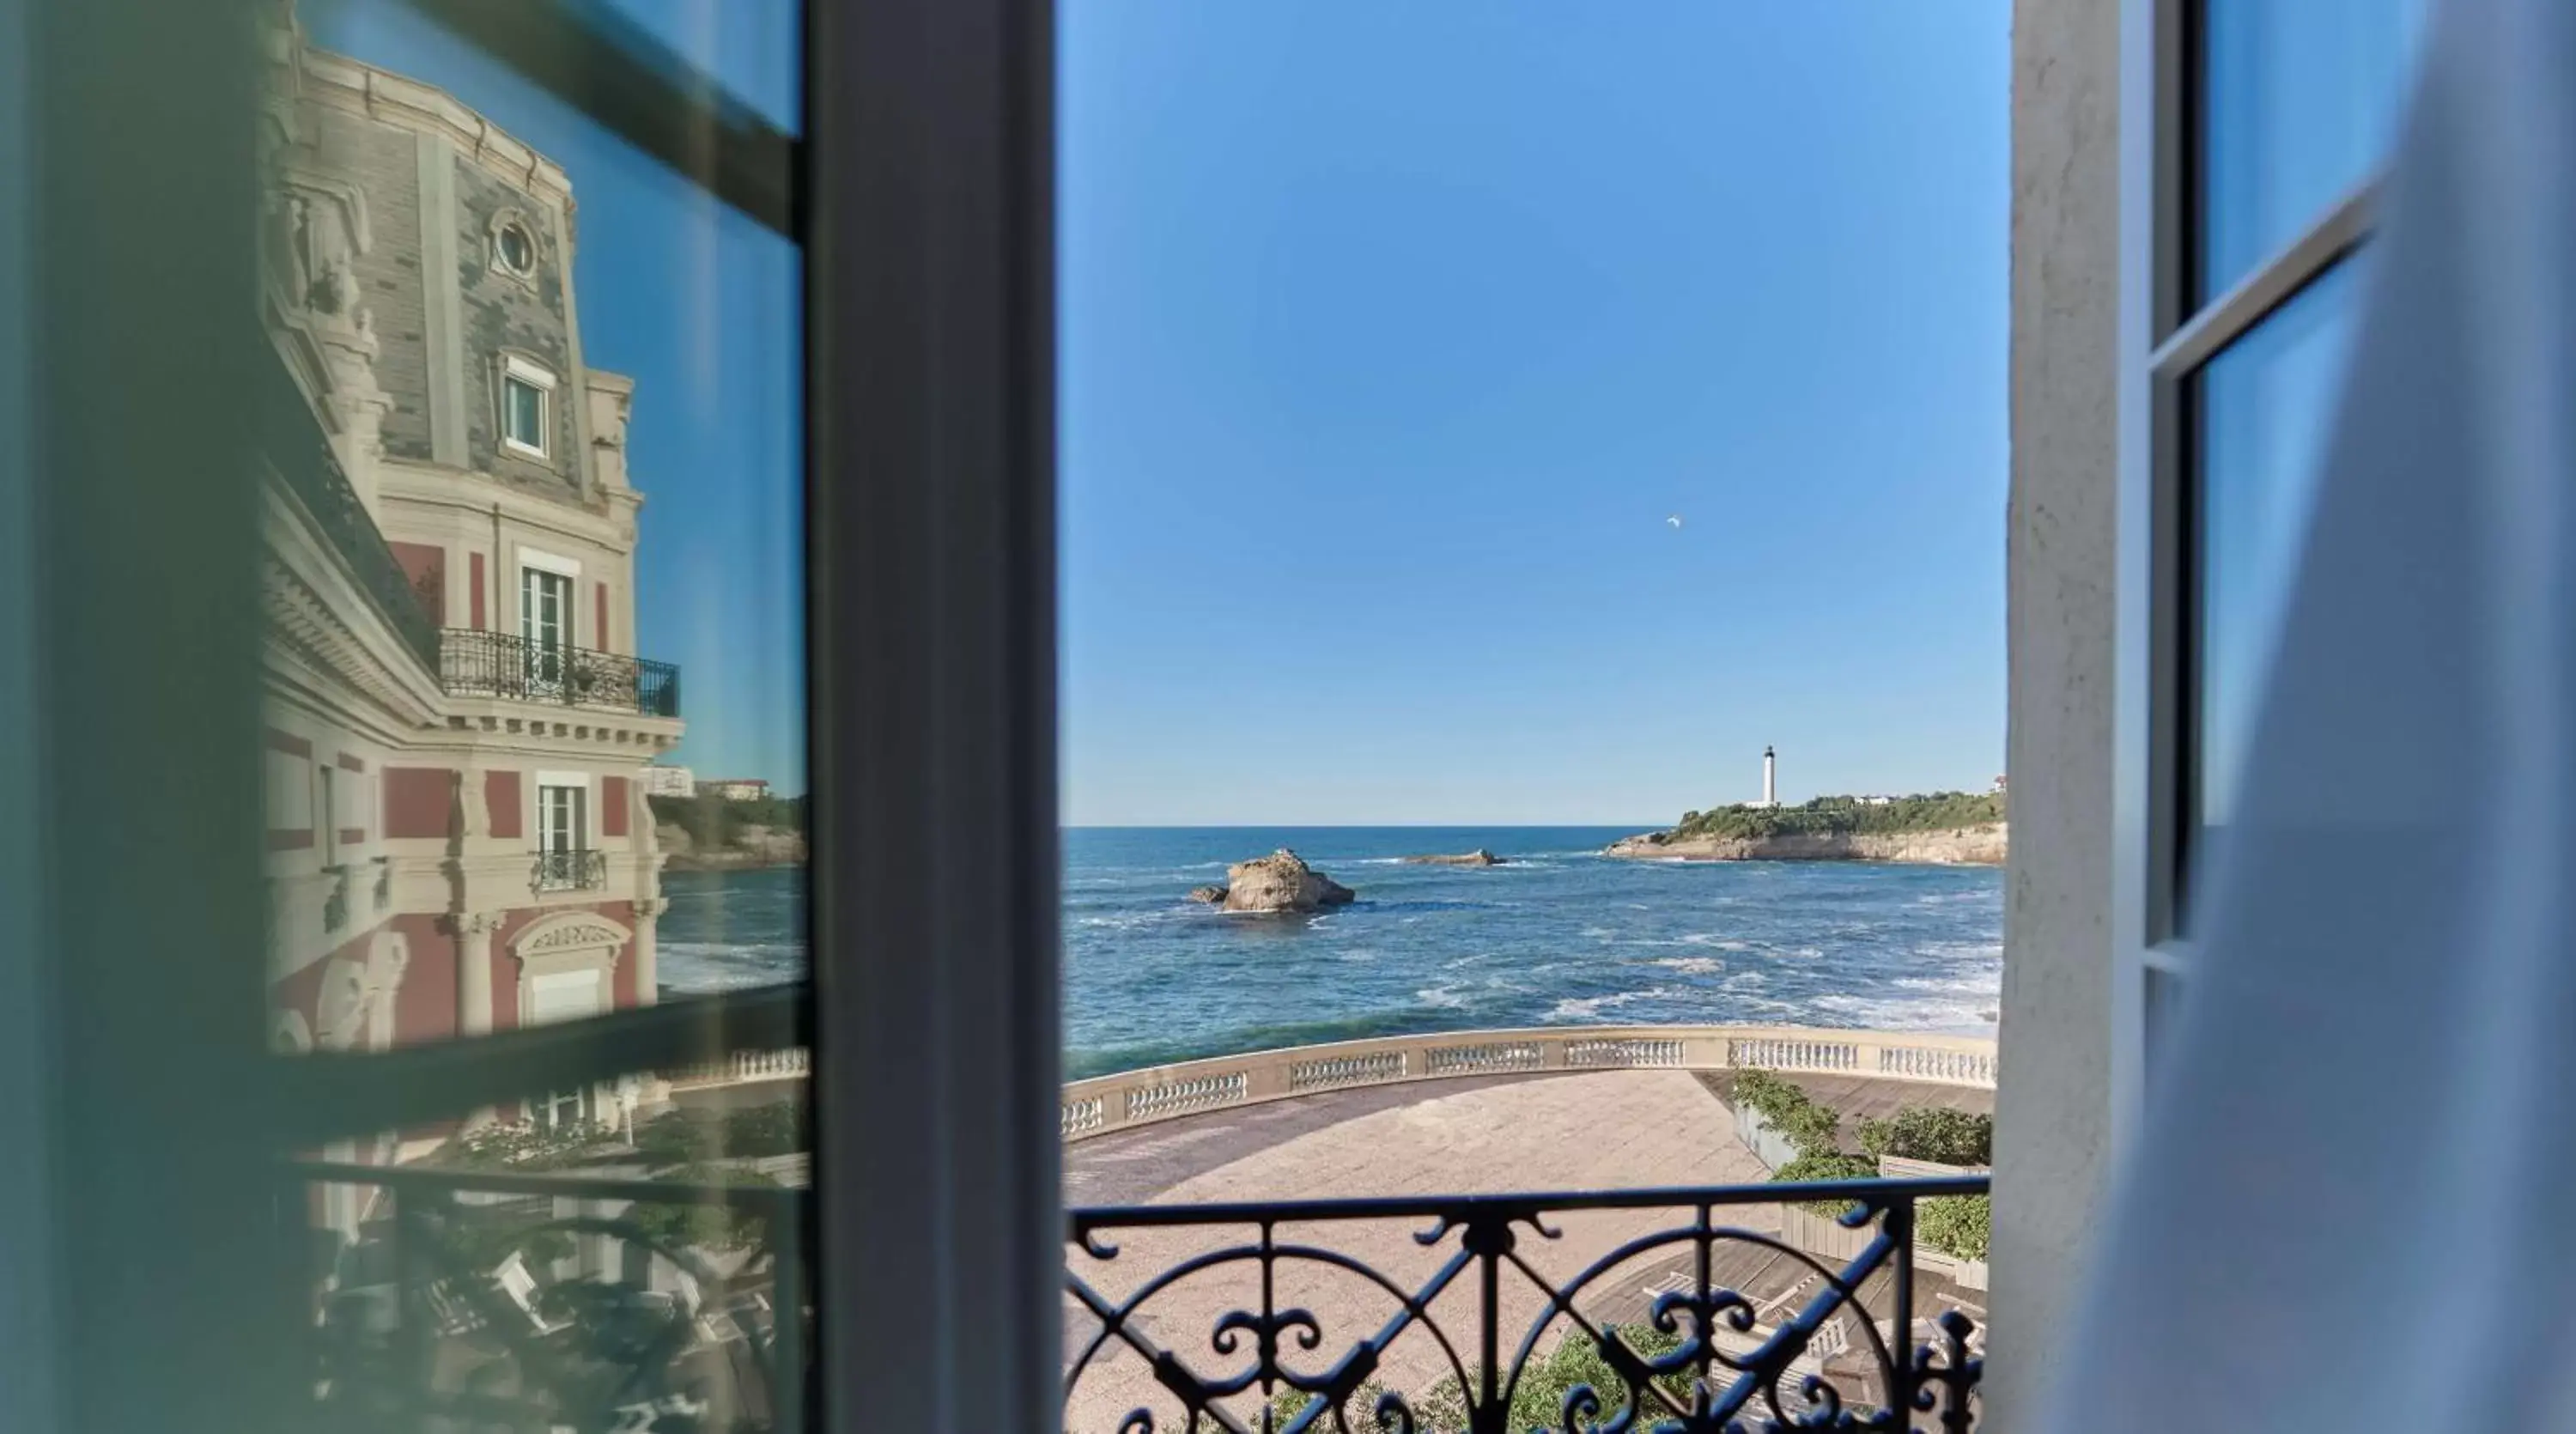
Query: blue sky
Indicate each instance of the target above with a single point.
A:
(1391, 336)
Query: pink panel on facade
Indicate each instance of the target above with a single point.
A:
(426, 565)
(501, 794)
(416, 801)
(612, 806)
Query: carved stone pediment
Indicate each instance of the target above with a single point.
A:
(572, 931)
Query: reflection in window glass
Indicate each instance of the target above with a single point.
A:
(2299, 102)
(531, 473)
(535, 458)
(2264, 406)
(651, 1298)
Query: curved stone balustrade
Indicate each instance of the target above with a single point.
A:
(742, 1067)
(1139, 1097)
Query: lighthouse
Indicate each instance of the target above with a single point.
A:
(1770, 774)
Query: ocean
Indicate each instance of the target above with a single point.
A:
(1558, 935)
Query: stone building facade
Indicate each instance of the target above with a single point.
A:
(457, 719)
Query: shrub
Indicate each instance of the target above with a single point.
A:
(1826, 1166)
(1538, 1401)
(701, 1225)
(1919, 1132)
(523, 1145)
(1962, 1225)
(1814, 1129)
(679, 1137)
(1766, 1092)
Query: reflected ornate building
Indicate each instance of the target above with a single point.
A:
(457, 722)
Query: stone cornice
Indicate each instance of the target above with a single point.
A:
(482, 727)
(321, 625)
(406, 103)
(469, 492)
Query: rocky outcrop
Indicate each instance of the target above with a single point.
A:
(1478, 857)
(1956, 846)
(1279, 882)
(752, 846)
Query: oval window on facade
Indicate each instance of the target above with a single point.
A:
(517, 251)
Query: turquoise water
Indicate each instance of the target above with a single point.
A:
(1560, 935)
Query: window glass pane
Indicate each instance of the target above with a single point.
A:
(537, 444)
(613, 1255)
(2298, 104)
(527, 414)
(2263, 406)
(749, 47)
(517, 625)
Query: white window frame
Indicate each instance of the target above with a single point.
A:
(579, 782)
(541, 380)
(2167, 336)
(503, 223)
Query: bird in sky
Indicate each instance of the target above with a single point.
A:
(1674, 522)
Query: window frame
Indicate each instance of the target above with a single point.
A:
(503, 225)
(2166, 340)
(518, 372)
(921, 197)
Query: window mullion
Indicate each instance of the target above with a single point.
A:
(2275, 282)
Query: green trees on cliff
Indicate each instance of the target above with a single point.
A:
(1840, 816)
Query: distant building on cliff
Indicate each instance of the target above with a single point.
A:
(661, 781)
(458, 724)
(734, 789)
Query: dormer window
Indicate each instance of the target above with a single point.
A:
(527, 401)
(514, 249)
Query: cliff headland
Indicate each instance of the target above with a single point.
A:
(1942, 828)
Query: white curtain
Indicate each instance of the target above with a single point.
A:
(2353, 1203)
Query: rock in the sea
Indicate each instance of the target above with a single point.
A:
(1281, 881)
(1478, 857)
(1208, 894)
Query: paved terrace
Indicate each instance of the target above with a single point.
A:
(1607, 1129)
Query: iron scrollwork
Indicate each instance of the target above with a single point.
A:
(1703, 1357)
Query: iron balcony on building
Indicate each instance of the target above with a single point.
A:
(691, 1305)
(300, 454)
(568, 869)
(476, 663)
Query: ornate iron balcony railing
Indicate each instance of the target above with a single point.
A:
(571, 869)
(508, 1299)
(301, 456)
(476, 663)
(1738, 1331)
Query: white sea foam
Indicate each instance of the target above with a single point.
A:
(1692, 965)
(1585, 1008)
(701, 966)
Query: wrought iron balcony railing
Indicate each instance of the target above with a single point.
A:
(475, 1298)
(570, 869)
(302, 457)
(476, 663)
